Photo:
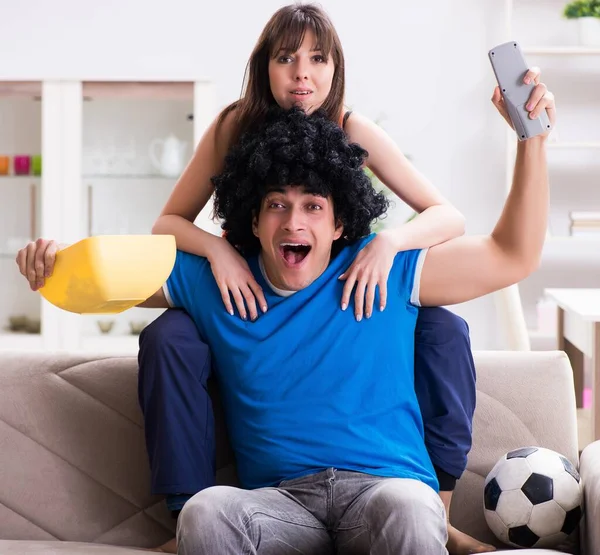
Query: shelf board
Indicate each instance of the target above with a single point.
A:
(163, 90)
(20, 341)
(561, 51)
(127, 177)
(26, 89)
(138, 89)
(20, 177)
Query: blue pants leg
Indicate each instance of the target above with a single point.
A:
(445, 387)
(178, 415)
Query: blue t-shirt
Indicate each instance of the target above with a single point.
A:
(306, 387)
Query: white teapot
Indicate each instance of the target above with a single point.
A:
(171, 160)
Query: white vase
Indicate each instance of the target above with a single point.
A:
(589, 31)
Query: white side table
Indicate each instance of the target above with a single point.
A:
(579, 337)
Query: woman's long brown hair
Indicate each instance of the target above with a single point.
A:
(286, 29)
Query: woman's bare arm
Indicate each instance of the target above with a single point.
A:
(193, 190)
(190, 195)
(437, 220)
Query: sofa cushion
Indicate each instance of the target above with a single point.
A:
(72, 454)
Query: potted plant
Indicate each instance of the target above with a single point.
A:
(587, 13)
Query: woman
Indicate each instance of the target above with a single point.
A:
(298, 61)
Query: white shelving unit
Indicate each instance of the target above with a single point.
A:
(552, 44)
(94, 137)
(573, 72)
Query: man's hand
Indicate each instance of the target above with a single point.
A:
(541, 98)
(36, 261)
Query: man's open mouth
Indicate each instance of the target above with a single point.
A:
(294, 253)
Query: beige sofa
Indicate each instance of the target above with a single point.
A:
(74, 473)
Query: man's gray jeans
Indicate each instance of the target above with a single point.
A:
(328, 512)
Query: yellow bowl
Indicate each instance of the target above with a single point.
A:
(109, 273)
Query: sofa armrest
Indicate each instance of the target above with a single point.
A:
(589, 468)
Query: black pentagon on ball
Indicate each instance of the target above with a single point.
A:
(521, 453)
(570, 468)
(522, 536)
(538, 488)
(571, 521)
(491, 494)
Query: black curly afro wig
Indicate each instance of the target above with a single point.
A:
(293, 148)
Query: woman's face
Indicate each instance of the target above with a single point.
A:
(302, 78)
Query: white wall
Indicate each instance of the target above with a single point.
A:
(420, 68)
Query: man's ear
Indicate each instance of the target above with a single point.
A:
(254, 224)
(339, 230)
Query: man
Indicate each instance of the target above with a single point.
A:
(328, 439)
(321, 410)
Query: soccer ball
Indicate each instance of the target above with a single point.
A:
(532, 498)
